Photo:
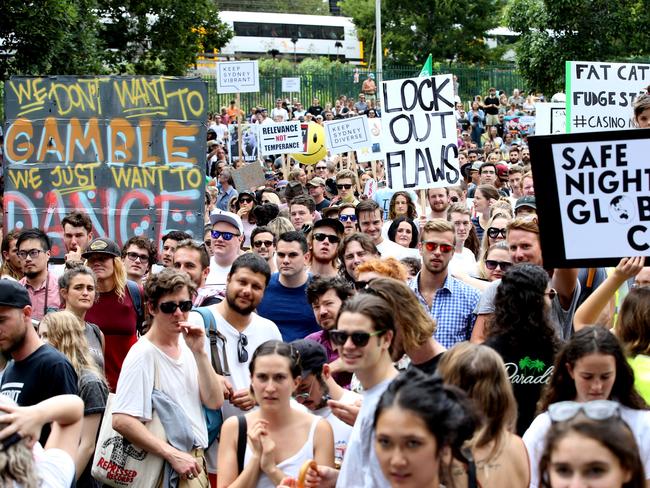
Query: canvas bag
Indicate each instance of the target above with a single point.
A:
(117, 462)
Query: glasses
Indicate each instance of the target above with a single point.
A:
(344, 186)
(134, 256)
(640, 284)
(348, 218)
(432, 246)
(552, 293)
(246, 200)
(333, 239)
(225, 235)
(594, 410)
(491, 264)
(263, 243)
(359, 339)
(32, 253)
(321, 168)
(170, 307)
(494, 232)
(242, 353)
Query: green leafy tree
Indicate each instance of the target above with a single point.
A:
(411, 29)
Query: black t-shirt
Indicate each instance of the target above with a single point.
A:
(43, 374)
(491, 101)
(315, 110)
(429, 367)
(324, 204)
(529, 369)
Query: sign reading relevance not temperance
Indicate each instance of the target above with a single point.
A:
(281, 138)
(238, 77)
(347, 134)
(599, 96)
(419, 133)
(593, 196)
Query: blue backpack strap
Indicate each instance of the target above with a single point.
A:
(136, 298)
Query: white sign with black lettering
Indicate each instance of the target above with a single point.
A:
(599, 96)
(238, 77)
(290, 85)
(281, 138)
(347, 134)
(419, 133)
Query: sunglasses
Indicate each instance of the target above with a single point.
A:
(225, 235)
(359, 339)
(263, 243)
(491, 264)
(321, 168)
(246, 200)
(242, 353)
(344, 186)
(453, 199)
(494, 232)
(361, 285)
(594, 410)
(432, 246)
(320, 237)
(348, 218)
(134, 256)
(552, 293)
(170, 307)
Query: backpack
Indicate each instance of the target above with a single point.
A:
(213, 418)
(136, 298)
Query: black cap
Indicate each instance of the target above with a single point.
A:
(526, 201)
(101, 245)
(333, 223)
(13, 294)
(312, 355)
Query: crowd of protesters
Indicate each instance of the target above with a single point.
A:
(345, 333)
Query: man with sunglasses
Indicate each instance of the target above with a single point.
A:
(348, 217)
(263, 244)
(227, 236)
(345, 185)
(449, 301)
(324, 245)
(162, 356)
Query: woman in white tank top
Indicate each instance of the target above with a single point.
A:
(279, 438)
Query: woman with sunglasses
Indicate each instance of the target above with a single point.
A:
(244, 208)
(594, 447)
(495, 232)
(279, 438)
(591, 366)
(497, 262)
(348, 218)
(521, 331)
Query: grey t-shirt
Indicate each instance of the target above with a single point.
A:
(562, 319)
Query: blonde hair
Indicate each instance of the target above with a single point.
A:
(486, 240)
(17, 461)
(119, 277)
(388, 267)
(437, 225)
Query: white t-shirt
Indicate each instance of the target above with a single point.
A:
(179, 379)
(464, 262)
(535, 436)
(216, 279)
(55, 468)
(258, 331)
(390, 249)
(341, 430)
(280, 111)
(220, 130)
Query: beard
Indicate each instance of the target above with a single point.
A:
(31, 274)
(231, 300)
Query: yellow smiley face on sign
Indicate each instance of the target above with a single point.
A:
(316, 149)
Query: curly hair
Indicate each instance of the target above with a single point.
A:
(411, 211)
(388, 267)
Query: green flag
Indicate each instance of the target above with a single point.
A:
(428, 67)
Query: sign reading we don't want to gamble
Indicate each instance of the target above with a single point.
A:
(128, 151)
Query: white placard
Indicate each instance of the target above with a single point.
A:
(238, 77)
(290, 85)
(281, 138)
(551, 118)
(373, 151)
(599, 96)
(419, 133)
(347, 134)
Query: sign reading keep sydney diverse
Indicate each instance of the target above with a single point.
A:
(347, 134)
(419, 133)
(238, 77)
(598, 188)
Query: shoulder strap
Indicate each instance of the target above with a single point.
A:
(241, 442)
(210, 325)
(136, 298)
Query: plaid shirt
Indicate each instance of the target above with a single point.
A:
(453, 309)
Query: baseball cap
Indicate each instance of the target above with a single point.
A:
(502, 170)
(333, 223)
(101, 245)
(312, 355)
(527, 201)
(476, 166)
(13, 294)
(316, 181)
(219, 215)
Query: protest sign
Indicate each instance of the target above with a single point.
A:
(419, 133)
(128, 151)
(291, 85)
(373, 151)
(551, 118)
(249, 176)
(347, 134)
(599, 96)
(593, 196)
(281, 138)
(249, 142)
(238, 77)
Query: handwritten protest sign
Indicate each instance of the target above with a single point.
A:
(249, 176)
(419, 133)
(593, 196)
(373, 151)
(249, 142)
(551, 118)
(281, 138)
(347, 134)
(290, 85)
(127, 151)
(238, 77)
(599, 96)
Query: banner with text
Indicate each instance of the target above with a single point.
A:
(593, 200)
(372, 152)
(238, 77)
(419, 133)
(599, 96)
(128, 151)
(347, 134)
(281, 138)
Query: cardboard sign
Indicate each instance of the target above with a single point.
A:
(291, 85)
(593, 196)
(419, 133)
(281, 138)
(249, 142)
(373, 151)
(238, 77)
(551, 119)
(249, 176)
(347, 134)
(129, 151)
(599, 96)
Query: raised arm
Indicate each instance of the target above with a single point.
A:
(564, 282)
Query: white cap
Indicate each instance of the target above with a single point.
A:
(219, 215)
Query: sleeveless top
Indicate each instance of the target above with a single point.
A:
(290, 466)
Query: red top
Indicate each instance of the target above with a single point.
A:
(117, 319)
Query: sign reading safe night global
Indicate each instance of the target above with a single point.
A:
(419, 133)
(593, 200)
(128, 151)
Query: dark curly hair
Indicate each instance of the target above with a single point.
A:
(411, 211)
(415, 235)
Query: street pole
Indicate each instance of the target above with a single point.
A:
(379, 53)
